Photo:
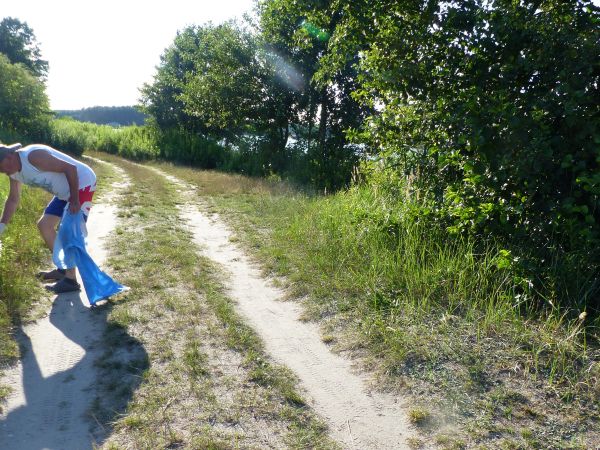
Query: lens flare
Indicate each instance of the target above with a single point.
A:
(315, 31)
(287, 73)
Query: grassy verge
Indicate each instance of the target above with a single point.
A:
(21, 255)
(209, 383)
(429, 315)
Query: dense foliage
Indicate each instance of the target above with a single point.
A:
(491, 110)
(19, 44)
(23, 102)
(24, 106)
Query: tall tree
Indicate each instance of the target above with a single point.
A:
(233, 89)
(23, 102)
(217, 81)
(298, 33)
(161, 99)
(19, 44)
(224, 89)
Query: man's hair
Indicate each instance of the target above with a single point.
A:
(7, 149)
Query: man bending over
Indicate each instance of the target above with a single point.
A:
(70, 181)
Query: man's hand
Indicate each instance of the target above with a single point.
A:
(2, 228)
(74, 206)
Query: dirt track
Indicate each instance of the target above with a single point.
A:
(53, 384)
(358, 418)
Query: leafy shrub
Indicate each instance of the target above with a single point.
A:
(491, 110)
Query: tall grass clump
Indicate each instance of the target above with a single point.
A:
(76, 137)
(187, 148)
(429, 302)
(71, 136)
(372, 246)
(137, 143)
(22, 252)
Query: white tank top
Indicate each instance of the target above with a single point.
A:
(54, 182)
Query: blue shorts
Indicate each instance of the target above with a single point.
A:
(56, 207)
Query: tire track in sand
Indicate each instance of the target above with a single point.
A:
(52, 385)
(358, 418)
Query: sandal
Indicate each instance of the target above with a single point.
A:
(65, 285)
(52, 275)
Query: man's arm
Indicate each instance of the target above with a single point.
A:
(10, 206)
(44, 161)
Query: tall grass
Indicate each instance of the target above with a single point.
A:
(76, 137)
(409, 282)
(21, 255)
(251, 154)
(9, 137)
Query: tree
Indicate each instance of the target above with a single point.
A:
(23, 102)
(492, 109)
(19, 44)
(225, 88)
(298, 33)
(161, 99)
(217, 82)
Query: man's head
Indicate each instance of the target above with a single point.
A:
(8, 158)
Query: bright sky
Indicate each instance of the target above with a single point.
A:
(101, 52)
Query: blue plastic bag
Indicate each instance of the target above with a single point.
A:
(69, 251)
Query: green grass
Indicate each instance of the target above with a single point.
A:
(418, 416)
(209, 383)
(23, 251)
(441, 316)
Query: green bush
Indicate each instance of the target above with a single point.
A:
(24, 106)
(492, 111)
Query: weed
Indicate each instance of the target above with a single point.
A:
(414, 443)
(419, 416)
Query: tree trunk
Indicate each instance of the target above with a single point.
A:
(323, 123)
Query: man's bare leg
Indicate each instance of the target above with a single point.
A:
(47, 226)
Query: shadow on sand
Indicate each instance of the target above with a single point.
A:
(77, 373)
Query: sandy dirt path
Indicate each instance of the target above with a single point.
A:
(52, 385)
(358, 418)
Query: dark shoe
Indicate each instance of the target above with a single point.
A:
(65, 285)
(52, 275)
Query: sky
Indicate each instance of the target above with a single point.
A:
(101, 52)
